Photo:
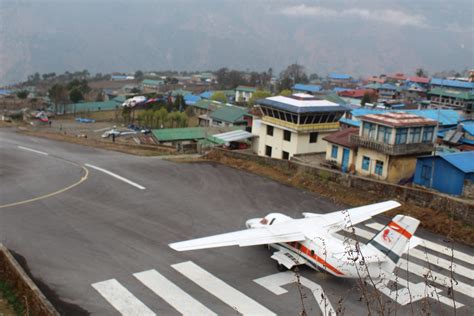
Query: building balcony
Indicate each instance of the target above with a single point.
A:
(305, 128)
(392, 150)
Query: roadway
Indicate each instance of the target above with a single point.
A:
(93, 227)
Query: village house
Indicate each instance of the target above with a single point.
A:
(451, 98)
(151, 85)
(230, 116)
(447, 173)
(388, 144)
(295, 124)
(243, 93)
(340, 150)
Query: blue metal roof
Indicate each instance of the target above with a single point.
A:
(339, 89)
(452, 83)
(443, 116)
(388, 86)
(303, 109)
(349, 122)
(469, 127)
(5, 92)
(464, 161)
(191, 99)
(339, 76)
(206, 94)
(307, 87)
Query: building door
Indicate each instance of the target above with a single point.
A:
(345, 159)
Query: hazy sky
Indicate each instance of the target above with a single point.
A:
(358, 37)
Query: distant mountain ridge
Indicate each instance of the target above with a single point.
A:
(102, 36)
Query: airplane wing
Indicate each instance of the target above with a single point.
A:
(346, 218)
(242, 238)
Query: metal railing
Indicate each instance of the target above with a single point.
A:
(392, 149)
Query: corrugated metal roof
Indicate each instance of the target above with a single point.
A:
(398, 119)
(150, 82)
(468, 126)
(230, 114)
(444, 116)
(452, 83)
(418, 79)
(234, 136)
(339, 76)
(191, 99)
(177, 134)
(464, 161)
(307, 87)
(465, 95)
(206, 94)
(298, 104)
(246, 89)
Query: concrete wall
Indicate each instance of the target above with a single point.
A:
(299, 143)
(373, 155)
(340, 151)
(458, 208)
(401, 168)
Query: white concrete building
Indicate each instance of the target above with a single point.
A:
(296, 125)
(243, 93)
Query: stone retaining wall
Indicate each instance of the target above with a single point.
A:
(35, 302)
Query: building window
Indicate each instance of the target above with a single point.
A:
(425, 172)
(401, 137)
(268, 151)
(415, 134)
(384, 134)
(428, 134)
(313, 137)
(269, 130)
(365, 163)
(369, 130)
(334, 151)
(379, 167)
(287, 136)
(285, 155)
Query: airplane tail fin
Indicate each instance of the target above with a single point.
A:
(394, 239)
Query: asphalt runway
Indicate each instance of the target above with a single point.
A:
(98, 242)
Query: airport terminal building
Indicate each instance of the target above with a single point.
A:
(295, 124)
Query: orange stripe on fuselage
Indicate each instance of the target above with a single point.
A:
(320, 260)
(399, 229)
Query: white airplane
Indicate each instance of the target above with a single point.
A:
(311, 241)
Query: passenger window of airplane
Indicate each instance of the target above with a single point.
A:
(312, 252)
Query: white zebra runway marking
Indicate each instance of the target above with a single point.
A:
(121, 299)
(172, 294)
(229, 295)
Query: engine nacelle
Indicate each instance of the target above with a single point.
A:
(270, 219)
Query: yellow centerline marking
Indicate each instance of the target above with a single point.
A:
(84, 178)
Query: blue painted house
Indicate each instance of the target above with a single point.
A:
(447, 173)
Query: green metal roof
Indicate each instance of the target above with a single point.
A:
(151, 82)
(120, 99)
(334, 98)
(176, 134)
(91, 106)
(452, 93)
(208, 104)
(246, 89)
(230, 114)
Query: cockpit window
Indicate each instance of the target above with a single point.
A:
(271, 222)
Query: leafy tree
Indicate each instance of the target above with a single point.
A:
(313, 76)
(59, 95)
(179, 103)
(135, 90)
(285, 84)
(100, 97)
(365, 99)
(81, 85)
(35, 78)
(22, 94)
(219, 96)
(257, 95)
(296, 73)
(420, 72)
(76, 95)
(286, 92)
(127, 114)
(139, 75)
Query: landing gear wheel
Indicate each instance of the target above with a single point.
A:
(281, 267)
